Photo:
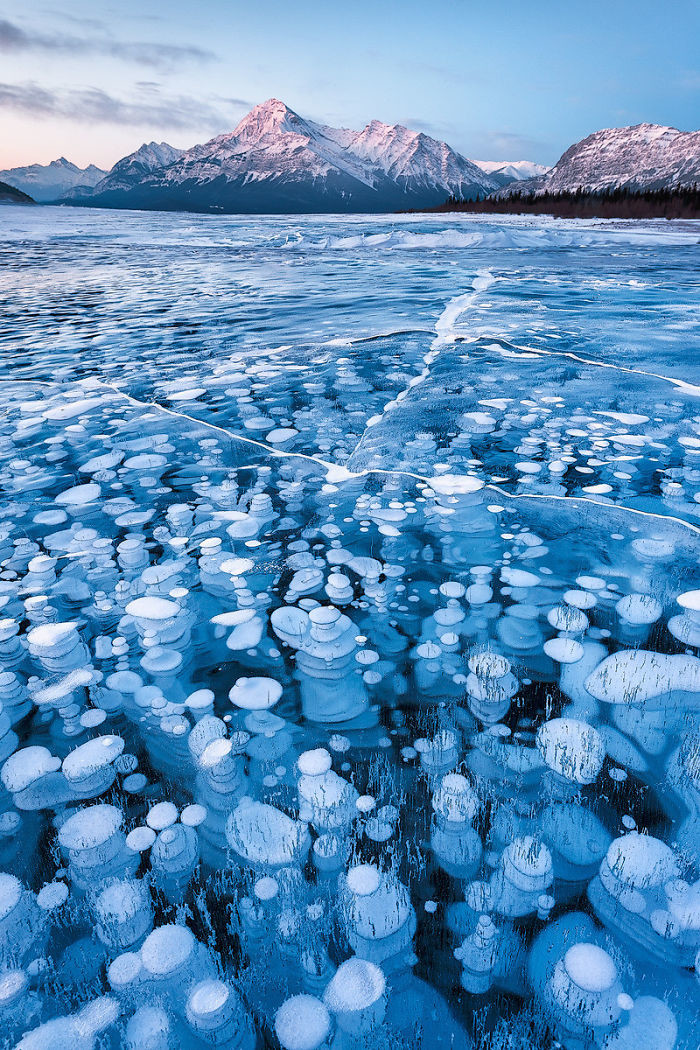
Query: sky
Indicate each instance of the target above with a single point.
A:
(505, 80)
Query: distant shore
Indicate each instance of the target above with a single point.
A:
(678, 203)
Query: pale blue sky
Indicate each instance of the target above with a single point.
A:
(509, 79)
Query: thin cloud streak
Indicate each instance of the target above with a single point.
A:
(94, 106)
(14, 39)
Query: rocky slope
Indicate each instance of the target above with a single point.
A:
(11, 195)
(643, 157)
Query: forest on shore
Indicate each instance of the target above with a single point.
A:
(680, 202)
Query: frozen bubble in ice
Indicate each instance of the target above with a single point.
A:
(10, 894)
(590, 968)
(580, 599)
(264, 836)
(519, 577)
(255, 694)
(140, 839)
(237, 566)
(281, 435)
(642, 861)
(52, 896)
(91, 758)
(78, 496)
(573, 749)
(568, 619)
(90, 827)
(191, 394)
(193, 815)
(639, 608)
(124, 971)
(162, 815)
(314, 763)
(455, 799)
(563, 650)
(26, 766)
(363, 880)
(356, 986)
(149, 1028)
(689, 600)
(302, 1023)
(52, 639)
(78, 1031)
(166, 949)
(152, 608)
(456, 484)
(636, 676)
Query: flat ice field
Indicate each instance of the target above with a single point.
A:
(349, 632)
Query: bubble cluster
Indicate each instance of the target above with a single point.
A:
(350, 695)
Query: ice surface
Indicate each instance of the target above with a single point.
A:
(350, 650)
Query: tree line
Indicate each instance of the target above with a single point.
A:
(677, 202)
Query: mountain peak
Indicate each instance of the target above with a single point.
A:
(270, 117)
(376, 128)
(272, 105)
(152, 155)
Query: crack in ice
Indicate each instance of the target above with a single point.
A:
(337, 473)
(688, 388)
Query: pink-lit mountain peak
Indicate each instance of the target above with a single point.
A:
(272, 117)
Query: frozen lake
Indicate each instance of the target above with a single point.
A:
(349, 631)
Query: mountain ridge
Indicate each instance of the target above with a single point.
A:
(278, 161)
(47, 182)
(638, 157)
(508, 171)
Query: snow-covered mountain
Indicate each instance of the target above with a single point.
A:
(505, 171)
(48, 182)
(646, 156)
(130, 170)
(276, 161)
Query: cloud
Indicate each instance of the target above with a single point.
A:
(94, 106)
(241, 103)
(14, 39)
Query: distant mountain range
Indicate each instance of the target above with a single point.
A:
(643, 157)
(506, 172)
(61, 180)
(276, 161)
(48, 182)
